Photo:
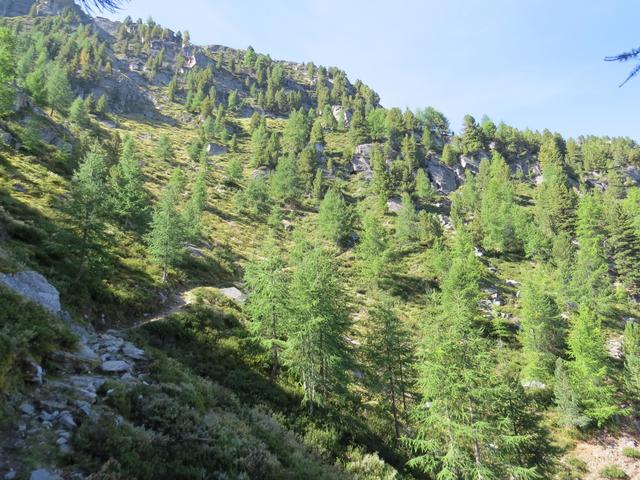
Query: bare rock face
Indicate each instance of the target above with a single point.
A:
(361, 161)
(394, 204)
(33, 286)
(340, 113)
(15, 8)
(442, 176)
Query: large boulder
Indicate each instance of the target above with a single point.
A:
(33, 286)
(234, 294)
(442, 176)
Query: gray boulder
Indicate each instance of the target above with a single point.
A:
(442, 176)
(340, 113)
(215, 149)
(394, 204)
(44, 474)
(234, 294)
(33, 286)
(115, 366)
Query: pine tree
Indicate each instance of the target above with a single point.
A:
(497, 208)
(78, 113)
(7, 70)
(334, 219)
(59, 93)
(566, 401)
(406, 220)
(632, 360)
(233, 172)
(196, 204)
(463, 428)
(471, 136)
(296, 132)
(449, 156)
(588, 368)
(130, 199)
(555, 202)
(267, 300)
(316, 351)
(317, 188)
(373, 249)
(625, 245)
(541, 333)
(101, 105)
(89, 202)
(424, 190)
(167, 231)
(283, 183)
(389, 354)
(164, 150)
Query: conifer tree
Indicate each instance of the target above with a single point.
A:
(334, 219)
(448, 155)
(541, 333)
(381, 180)
(167, 230)
(471, 136)
(89, 202)
(59, 93)
(631, 346)
(406, 220)
(317, 188)
(373, 249)
(267, 300)
(316, 351)
(566, 400)
(389, 355)
(463, 430)
(296, 132)
(78, 113)
(625, 246)
(7, 70)
(588, 368)
(196, 204)
(424, 190)
(283, 183)
(130, 199)
(497, 208)
(164, 150)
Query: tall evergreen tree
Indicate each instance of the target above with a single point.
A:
(406, 220)
(334, 219)
(7, 70)
(588, 368)
(267, 300)
(59, 93)
(196, 204)
(167, 229)
(89, 202)
(316, 349)
(632, 360)
(497, 208)
(373, 249)
(625, 246)
(127, 183)
(389, 355)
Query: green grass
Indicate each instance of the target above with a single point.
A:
(613, 472)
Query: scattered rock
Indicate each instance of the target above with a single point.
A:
(27, 408)
(131, 351)
(512, 283)
(44, 474)
(394, 204)
(340, 113)
(534, 384)
(361, 160)
(234, 294)
(216, 149)
(35, 287)
(67, 420)
(115, 366)
(614, 347)
(10, 475)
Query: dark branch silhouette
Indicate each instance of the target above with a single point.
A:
(101, 5)
(624, 57)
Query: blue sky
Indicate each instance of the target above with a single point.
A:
(535, 64)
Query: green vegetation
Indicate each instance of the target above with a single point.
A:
(399, 322)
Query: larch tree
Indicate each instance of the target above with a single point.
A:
(167, 229)
(373, 249)
(316, 348)
(7, 70)
(389, 355)
(130, 198)
(334, 218)
(268, 300)
(89, 202)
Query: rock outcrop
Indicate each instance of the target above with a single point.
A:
(443, 177)
(33, 286)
